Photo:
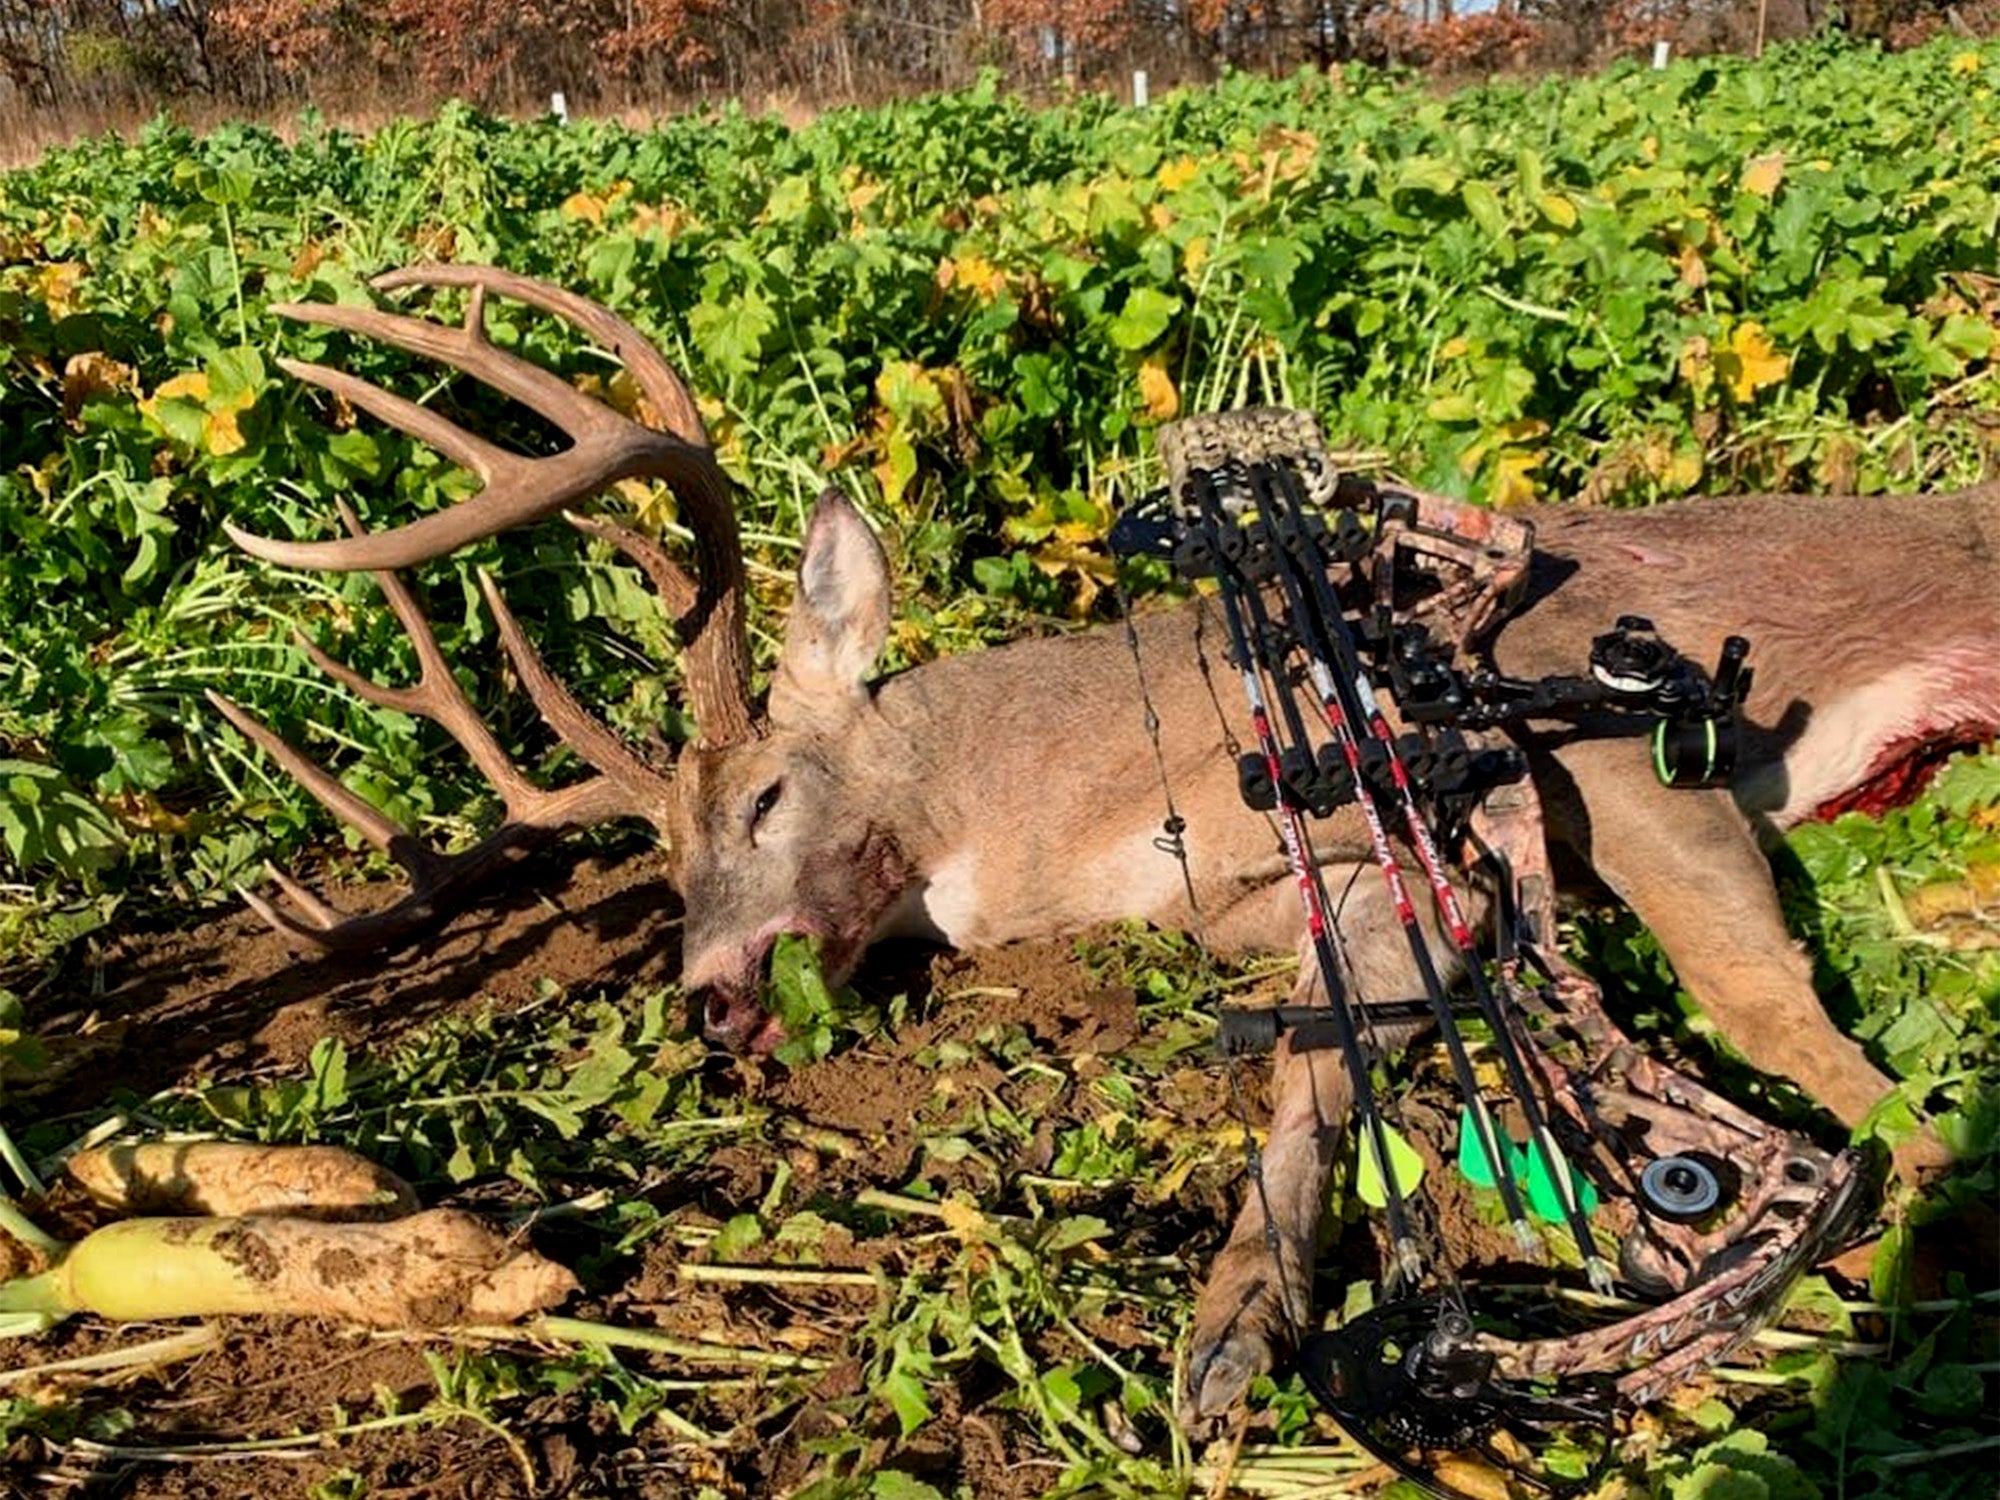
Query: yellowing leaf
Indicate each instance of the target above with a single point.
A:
(1177, 174)
(1159, 401)
(216, 427)
(59, 284)
(624, 393)
(185, 400)
(975, 273)
(1677, 469)
(1977, 894)
(1965, 63)
(1195, 256)
(1166, 1186)
(963, 1219)
(1698, 364)
(91, 375)
(1751, 362)
(1558, 210)
(585, 206)
(668, 219)
(1288, 153)
(192, 386)
(1093, 570)
(1762, 174)
(896, 469)
(910, 395)
(1476, 1480)
(637, 493)
(223, 436)
(1512, 484)
(143, 811)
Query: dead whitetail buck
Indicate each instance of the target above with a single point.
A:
(1008, 793)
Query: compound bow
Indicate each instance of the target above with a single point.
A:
(1328, 585)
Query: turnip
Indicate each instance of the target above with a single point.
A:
(429, 1270)
(228, 1178)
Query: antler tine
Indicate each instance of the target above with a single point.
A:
(717, 674)
(623, 786)
(711, 618)
(454, 442)
(658, 379)
(606, 446)
(677, 591)
(533, 817)
(352, 809)
(436, 694)
(573, 724)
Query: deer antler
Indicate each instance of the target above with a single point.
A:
(708, 607)
(606, 447)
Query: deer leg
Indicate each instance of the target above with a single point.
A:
(1688, 865)
(1258, 1296)
(1259, 1290)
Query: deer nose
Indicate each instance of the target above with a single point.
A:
(732, 1019)
(715, 1014)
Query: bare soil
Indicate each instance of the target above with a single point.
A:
(229, 997)
(229, 1002)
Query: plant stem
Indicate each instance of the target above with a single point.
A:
(777, 1275)
(1917, 1456)
(149, 1355)
(36, 1294)
(610, 1336)
(18, 1163)
(28, 1232)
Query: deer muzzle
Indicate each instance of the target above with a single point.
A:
(735, 1018)
(726, 985)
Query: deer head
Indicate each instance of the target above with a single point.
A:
(770, 819)
(797, 830)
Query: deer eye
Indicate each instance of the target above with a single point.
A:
(766, 800)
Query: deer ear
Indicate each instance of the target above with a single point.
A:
(840, 618)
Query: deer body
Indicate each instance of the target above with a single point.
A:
(1020, 792)
(1022, 796)
(1015, 792)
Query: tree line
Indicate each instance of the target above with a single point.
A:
(57, 54)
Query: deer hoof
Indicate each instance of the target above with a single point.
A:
(1237, 1327)
(1219, 1375)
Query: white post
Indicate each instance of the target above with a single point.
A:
(1139, 90)
(559, 107)
(1660, 51)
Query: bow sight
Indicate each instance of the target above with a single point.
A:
(1327, 585)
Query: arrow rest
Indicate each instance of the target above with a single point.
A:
(1357, 616)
